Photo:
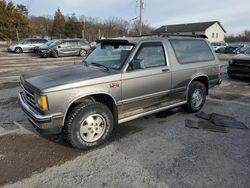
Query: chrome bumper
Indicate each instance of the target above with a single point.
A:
(47, 124)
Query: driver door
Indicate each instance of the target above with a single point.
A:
(147, 81)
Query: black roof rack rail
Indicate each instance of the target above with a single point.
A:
(172, 35)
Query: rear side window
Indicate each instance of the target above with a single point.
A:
(191, 51)
(37, 41)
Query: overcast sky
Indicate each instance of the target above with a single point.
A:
(234, 15)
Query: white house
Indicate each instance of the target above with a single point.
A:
(213, 30)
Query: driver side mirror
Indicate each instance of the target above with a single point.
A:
(137, 64)
(59, 46)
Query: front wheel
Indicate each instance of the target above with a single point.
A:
(196, 97)
(82, 53)
(89, 125)
(18, 50)
(54, 54)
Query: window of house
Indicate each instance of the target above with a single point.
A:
(212, 35)
(217, 35)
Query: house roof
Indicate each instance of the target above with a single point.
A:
(188, 27)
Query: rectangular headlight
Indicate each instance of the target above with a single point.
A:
(42, 102)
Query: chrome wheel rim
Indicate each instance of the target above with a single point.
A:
(93, 127)
(83, 53)
(197, 98)
(18, 50)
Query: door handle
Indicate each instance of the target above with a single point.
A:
(165, 70)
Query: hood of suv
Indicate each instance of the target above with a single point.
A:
(242, 57)
(63, 77)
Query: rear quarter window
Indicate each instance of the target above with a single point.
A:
(191, 51)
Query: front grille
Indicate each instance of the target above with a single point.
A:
(29, 96)
(238, 62)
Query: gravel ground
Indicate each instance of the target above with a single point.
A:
(154, 151)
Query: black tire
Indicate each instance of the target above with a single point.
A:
(83, 53)
(18, 50)
(195, 104)
(77, 123)
(54, 54)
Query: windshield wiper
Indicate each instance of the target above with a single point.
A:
(100, 65)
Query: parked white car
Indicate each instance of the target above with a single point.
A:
(26, 45)
(219, 46)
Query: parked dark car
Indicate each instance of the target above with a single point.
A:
(239, 65)
(66, 47)
(49, 43)
(230, 49)
(26, 45)
(233, 49)
(221, 49)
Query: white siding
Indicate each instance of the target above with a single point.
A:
(215, 33)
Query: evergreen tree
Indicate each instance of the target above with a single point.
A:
(13, 21)
(23, 9)
(73, 28)
(58, 27)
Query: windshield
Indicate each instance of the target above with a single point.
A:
(55, 43)
(50, 42)
(111, 56)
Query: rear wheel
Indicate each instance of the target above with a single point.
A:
(89, 125)
(196, 97)
(18, 50)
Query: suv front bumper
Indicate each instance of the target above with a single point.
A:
(44, 124)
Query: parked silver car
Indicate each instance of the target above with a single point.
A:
(26, 45)
(121, 80)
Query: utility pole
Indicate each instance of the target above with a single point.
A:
(83, 30)
(99, 34)
(141, 9)
(17, 34)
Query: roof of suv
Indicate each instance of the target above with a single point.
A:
(135, 40)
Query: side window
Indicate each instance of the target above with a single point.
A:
(150, 55)
(73, 43)
(27, 42)
(36, 41)
(82, 43)
(191, 50)
(64, 44)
